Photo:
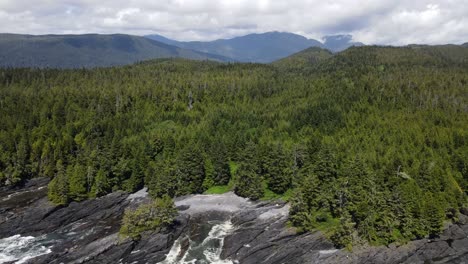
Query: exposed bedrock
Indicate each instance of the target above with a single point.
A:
(87, 232)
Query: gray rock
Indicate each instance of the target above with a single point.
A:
(87, 232)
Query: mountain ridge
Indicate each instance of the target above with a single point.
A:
(261, 47)
(86, 50)
(375, 56)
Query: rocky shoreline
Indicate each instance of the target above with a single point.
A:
(87, 232)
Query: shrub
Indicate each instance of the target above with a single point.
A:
(152, 216)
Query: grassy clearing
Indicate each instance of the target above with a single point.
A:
(270, 195)
(220, 189)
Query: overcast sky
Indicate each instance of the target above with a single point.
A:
(394, 22)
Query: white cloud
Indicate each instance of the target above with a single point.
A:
(370, 21)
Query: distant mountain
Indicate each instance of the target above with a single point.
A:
(465, 45)
(338, 43)
(302, 59)
(90, 50)
(264, 48)
(163, 39)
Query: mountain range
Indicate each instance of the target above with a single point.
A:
(264, 48)
(96, 50)
(90, 50)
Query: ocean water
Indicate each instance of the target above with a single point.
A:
(20, 249)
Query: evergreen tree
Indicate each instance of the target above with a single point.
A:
(162, 177)
(342, 235)
(77, 182)
(209, 174)
(221, 172)
(278, 170)
(58, 189)
(248, 183)
(22, 157)
(326, 166)
(190, 170)
(101, 184)
(434, 214)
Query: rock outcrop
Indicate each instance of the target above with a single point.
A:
(87, 232)
(262, 236)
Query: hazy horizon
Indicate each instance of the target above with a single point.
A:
(322, 39)
(372, 22)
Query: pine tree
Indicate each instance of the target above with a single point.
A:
(58, 190)
(342, 235)
(101, 184)
(162, 177)
(190, 170)
(298, 210)
(221, 173)
(208, 182)
(77, 182)
(433, 214)
(326, 165)
(22, 157)
(249, 183)
(278, 170)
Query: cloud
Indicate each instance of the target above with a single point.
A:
(370, 21)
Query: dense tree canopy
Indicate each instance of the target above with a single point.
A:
(372, 142)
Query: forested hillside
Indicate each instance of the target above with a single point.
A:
(304, 59)
(370, 144)
(90, 50)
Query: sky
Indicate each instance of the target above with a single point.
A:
(391, 22)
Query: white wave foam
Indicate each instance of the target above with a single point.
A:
(211, 253)
(20, 249)
(173, 253)
(217, 232)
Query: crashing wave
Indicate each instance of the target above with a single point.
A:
(211, 248)
(19, 249)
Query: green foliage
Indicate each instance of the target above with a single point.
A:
(221, 171)
(277, 168)
(270, 195)
(219, 189)
(248, 182)
(303, 59)
(148, 217)
(190, 172)
(77, 182)
(161, 180)
(342, 234)
(101, 184)
(434, 214)
(58, 187)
